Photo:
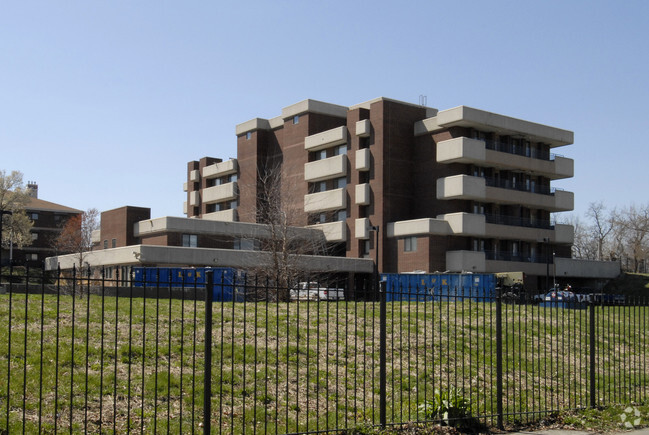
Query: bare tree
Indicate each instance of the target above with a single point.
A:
(633, 232)
(76, 235)
(602, 225)
(285, 241)
(583, 246)
(14, 198)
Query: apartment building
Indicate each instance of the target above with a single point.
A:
(48, 220)
(461, 190)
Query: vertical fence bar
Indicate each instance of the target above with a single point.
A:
(207, 377)
(499, 358)
(382, 354)
(591, 322)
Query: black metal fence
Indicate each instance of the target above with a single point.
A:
(92, 355)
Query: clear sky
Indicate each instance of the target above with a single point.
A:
(103, 103)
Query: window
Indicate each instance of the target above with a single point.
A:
(410, 244)
(113, 243)
(296, 119)
(340, 183)
(105, 244)
(245, 244)
(514, 249)
(341, 215)
(34, 236)
(190, 240)
(33, 216)
(248, 135)
(31, 257)
(365, 249)
(340, 149)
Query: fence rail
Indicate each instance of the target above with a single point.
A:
(83, 355)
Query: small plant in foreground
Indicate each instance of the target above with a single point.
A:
(449, 407)
(631, 417)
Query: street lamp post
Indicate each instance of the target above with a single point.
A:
(547, 263)
(375, 228)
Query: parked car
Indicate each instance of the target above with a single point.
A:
(313, 291)
(563, 299)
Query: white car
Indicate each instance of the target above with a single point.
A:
(312, 291)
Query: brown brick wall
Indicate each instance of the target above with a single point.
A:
(118, 224)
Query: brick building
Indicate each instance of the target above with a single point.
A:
(453, 190)
(49, 219)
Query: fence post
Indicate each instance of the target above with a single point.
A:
(382, 354)
(499, 357)
(591, 309)
(207, 376)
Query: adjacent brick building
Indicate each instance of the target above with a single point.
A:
(49, 219)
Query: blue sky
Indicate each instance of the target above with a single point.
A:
(103, 103)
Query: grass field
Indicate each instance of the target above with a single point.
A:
(106, 364)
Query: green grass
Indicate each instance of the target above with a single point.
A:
(299, 366)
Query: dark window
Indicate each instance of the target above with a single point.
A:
(114, 243)
(190, 240)
(410, 244)
(105, 244)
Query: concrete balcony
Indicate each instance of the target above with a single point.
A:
(468, 187)
(185, 187)
(564, 234)
(333, 231)
(194, 175)
(221, 169)
(462, 187)
(476, 225)
(194, 198)
(329, 200)
(223, 192)
(511, 232)
(466, 224)
(418, 227)
(326, 169)
(363, 159)
(466, 261)
(472, 151)
(363, 194)
(326, 139)
(464, 116)
(223, 216)
(363, 128)
(184, 207)
(362, 228)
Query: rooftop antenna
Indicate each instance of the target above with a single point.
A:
(423, 100)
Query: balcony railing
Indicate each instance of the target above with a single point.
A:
(516, 256)
(500, 219)
(520, 150)
(519, 185)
